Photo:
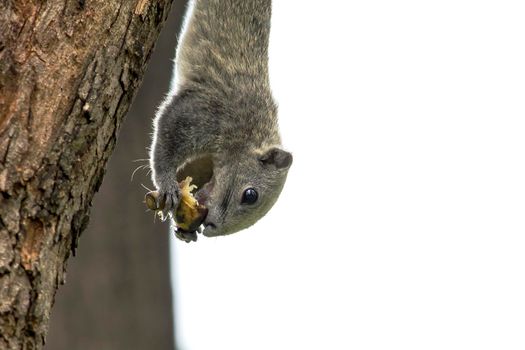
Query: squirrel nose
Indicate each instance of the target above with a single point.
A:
(210, 224)
(209, 229)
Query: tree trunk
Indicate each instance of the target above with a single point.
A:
(68, 73)
(119, 281)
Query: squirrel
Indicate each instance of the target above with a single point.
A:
(218, 124)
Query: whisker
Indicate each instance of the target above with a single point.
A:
(137, 169)
(149, 190)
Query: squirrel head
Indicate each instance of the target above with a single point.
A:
(242, 189)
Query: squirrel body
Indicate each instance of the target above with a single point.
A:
(218, 123)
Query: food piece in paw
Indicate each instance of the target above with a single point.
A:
(189, 215)
(151, 200)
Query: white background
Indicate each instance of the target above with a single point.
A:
(402, 224)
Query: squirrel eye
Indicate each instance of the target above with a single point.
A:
(249, 196)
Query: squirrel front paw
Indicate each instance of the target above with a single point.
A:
(164, 200)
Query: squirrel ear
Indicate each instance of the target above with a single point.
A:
(277, 157)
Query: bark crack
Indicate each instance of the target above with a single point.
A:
(112, 24)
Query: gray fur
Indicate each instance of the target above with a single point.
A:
(220, 105)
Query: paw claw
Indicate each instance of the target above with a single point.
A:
(169, 198)
(168, 201)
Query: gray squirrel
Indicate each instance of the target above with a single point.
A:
(218, 124)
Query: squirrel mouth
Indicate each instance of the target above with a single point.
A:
(201, 170)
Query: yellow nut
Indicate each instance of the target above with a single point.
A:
(189, 214)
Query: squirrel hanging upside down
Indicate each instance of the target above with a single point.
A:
(218, 124)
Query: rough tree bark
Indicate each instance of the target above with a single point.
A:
(68, 72)
(120, 280)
